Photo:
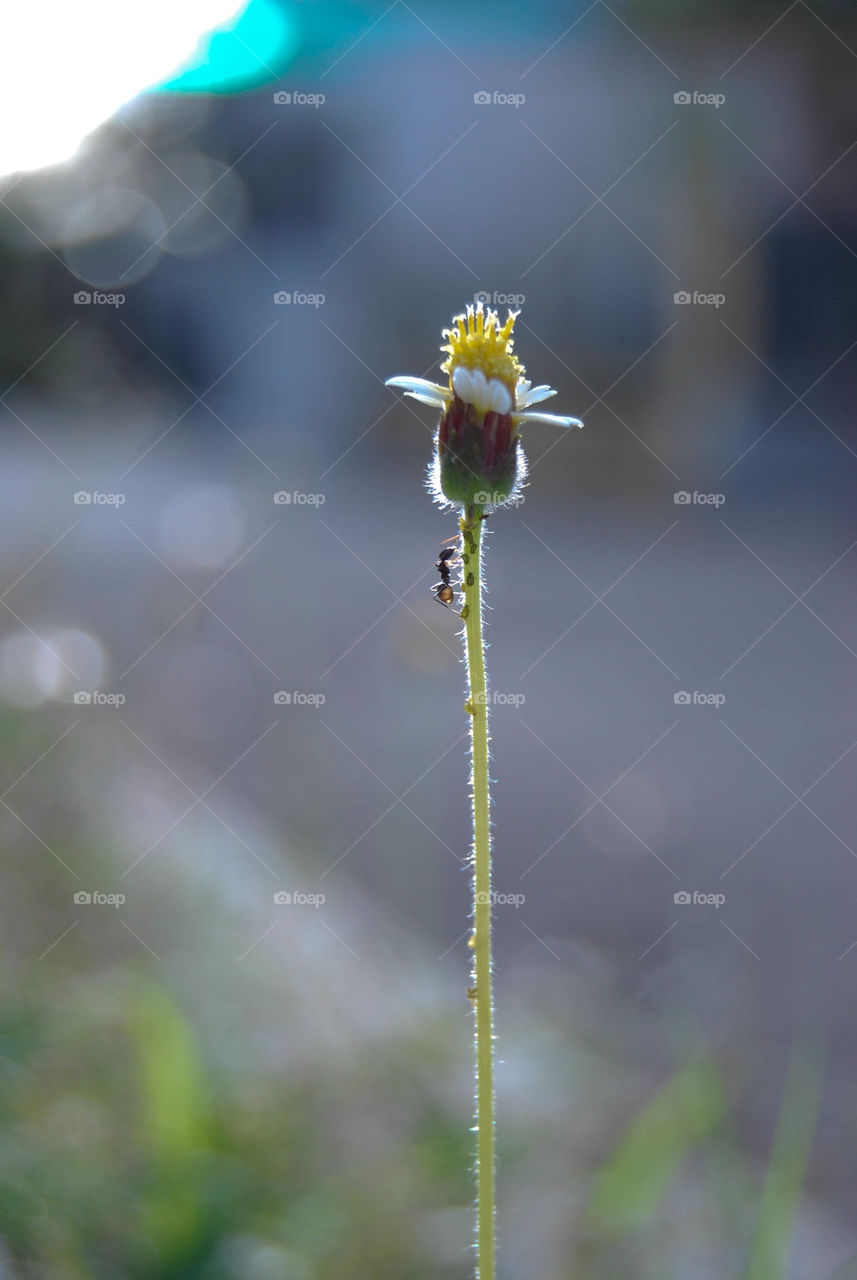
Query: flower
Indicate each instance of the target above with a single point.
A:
(478, 455)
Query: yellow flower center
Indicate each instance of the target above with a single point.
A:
(477, 340)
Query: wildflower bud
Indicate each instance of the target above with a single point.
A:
(478, 456)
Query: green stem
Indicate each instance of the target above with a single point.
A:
(480, 992)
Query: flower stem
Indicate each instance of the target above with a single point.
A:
(480, 993)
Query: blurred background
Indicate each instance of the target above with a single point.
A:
(236, 1040)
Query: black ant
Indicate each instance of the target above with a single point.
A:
(444, 592)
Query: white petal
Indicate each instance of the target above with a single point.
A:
(469, 384)
(552, 419)
(499, 399)
(413, 384)
(488, 395)
(421, 389)
(534, 395)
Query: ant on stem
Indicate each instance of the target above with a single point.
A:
(444, 592)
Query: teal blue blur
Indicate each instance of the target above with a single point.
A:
(255, 47)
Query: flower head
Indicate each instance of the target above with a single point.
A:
(479, 345)
(479, 459)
